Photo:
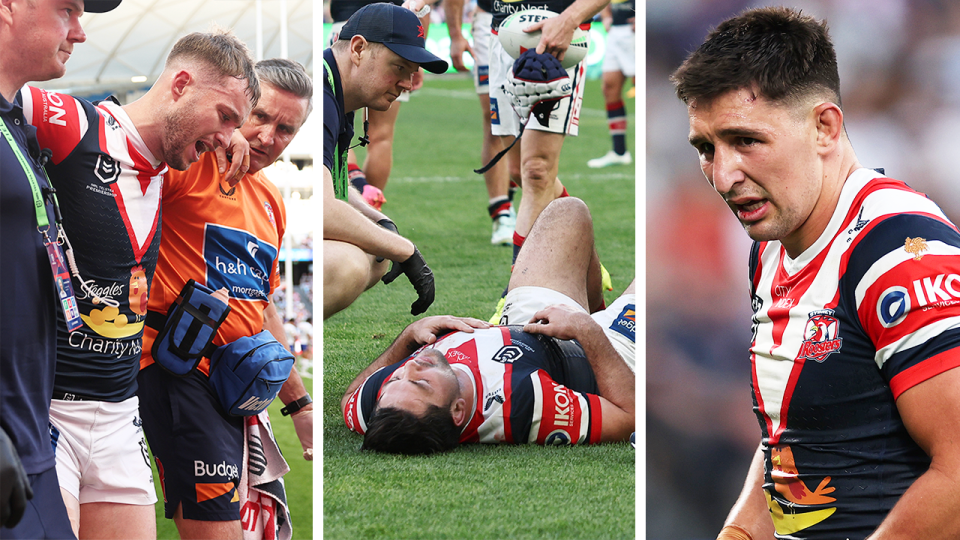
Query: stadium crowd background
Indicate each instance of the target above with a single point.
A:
(900, 84)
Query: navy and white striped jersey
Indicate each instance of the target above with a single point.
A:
(517, 400)
(870, 310)
(109, 186)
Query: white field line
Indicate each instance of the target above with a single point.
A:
(598, 177)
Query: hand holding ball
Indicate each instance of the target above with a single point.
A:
(515, 40)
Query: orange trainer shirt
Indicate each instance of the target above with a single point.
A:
(220, 236)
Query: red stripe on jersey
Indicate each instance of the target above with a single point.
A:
(351, 415)
(507, 390)
(560, 410)
(929, 285)
(596, 418)
(927, 369)
(57, 121)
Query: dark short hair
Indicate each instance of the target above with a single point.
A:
(788, 56)
(396, 431)
(289, 76)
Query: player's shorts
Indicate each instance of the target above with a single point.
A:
(45, 515)
(335, 34)
(504, 121)
(620, 54)
(618, 320)
(101, 453)
(482, 36)
(198, 447)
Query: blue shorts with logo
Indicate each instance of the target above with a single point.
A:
(45, 515)
(197, 446)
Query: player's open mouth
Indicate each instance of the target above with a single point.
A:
(202, 147)
(752, 210)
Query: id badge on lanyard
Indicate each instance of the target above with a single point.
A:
(61, 276)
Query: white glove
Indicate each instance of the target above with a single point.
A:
(528, 94)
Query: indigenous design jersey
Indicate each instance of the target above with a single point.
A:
(867, 312)
(517, 399)
(220, 236)
(108, 184)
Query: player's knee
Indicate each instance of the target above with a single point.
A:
(569, 209)
(537, 174)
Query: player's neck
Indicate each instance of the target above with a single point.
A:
(467, 392)
(148, 121)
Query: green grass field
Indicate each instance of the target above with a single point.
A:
(299, 481)
(478, 491)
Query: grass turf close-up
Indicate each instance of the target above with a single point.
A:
(439, 203)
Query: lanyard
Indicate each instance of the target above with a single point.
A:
(38, 203)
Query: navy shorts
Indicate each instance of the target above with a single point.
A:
(197, 446)
(47, 502)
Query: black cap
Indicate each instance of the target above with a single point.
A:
(99, 6)
(398, 29)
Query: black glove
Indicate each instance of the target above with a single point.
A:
(389, 225)
(420, 276)
(14, 485)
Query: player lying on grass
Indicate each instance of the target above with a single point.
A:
(555, 375)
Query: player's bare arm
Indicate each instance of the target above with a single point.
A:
(615, 380)
(234, 160)
(415, 335)
(928, 509)
(558, 31)
(453, 9)
(344, 223)
(293, 389)
(749, 518)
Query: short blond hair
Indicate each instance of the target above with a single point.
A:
(223, 53)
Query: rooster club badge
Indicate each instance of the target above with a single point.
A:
(820, 337)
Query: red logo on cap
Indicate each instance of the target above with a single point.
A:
(420, 33)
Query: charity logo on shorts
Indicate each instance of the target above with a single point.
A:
(626, 322)
(239, 261)
(483, 75)
(494, 111)
(820, 338)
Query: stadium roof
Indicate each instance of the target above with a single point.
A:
(126, 47)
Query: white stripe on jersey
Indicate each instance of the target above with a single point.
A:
(916, 338)
(537, 410)
(26, 98)
(895, 257)
(141, 206)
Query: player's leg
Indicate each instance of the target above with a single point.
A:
(497, 180)
(379, 160)
(348, 271)
(618, 64)
(193, 529)
(559, 252)
(118, 521)
(539, 163)
(73, 510)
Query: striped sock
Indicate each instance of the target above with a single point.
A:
(499, 207)
(617, 122)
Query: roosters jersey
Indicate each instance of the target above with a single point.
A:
(871, 309)
(519, 398)
(108, 184)
(222, 237)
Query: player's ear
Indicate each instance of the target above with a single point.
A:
(178, 84)
(829, 119)
(459, 411)
(6, 13)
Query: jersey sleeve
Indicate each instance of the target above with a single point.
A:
(360, 405)
(908, 296)
(60, 120)
(562, 416)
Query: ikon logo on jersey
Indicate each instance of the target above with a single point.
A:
(238, 261)
(820, 336)
(896, 302)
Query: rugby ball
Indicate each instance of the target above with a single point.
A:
(515, 40)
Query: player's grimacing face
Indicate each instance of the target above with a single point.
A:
(761, 158)
(427, 379)
(204, 120)
(46, 32)
(272, 124)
